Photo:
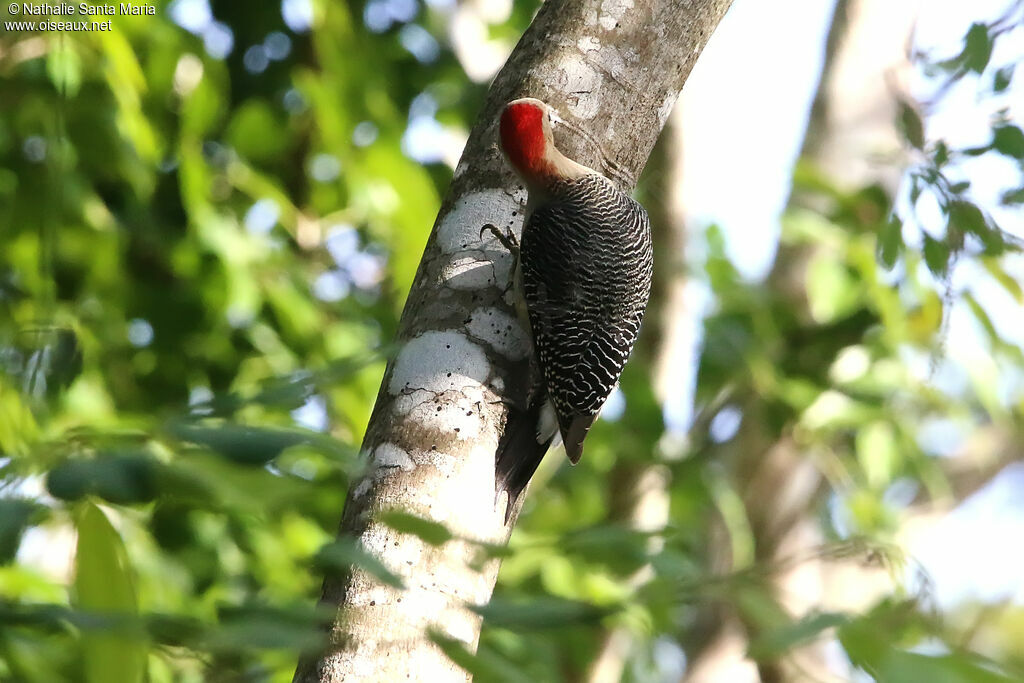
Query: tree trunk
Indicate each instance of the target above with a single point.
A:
(613, 70)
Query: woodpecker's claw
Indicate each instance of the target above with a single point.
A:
(507, 239)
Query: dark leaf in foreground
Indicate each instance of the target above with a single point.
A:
(542, 613)
(776, 642)
(481, 665)
(240, 443)
(426, 530)
(120, 477)
(16, 514)
(344, 553)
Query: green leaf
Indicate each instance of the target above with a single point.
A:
(256, 133)
(977, 48)
(343, 553)
(616, 546)
(777, 641)
(890, 241)
(104, 584)
(1008, 282)
(983, 318)
(831, 290)
(482, 665)
(542, 613)
(261, 627)
(64, 67)
(426, 530)
(865, 643)
(936, 256)
(16, 514)
(911, 124)
(911, 667)
(965, 217)
(120, 477)
(242, 444)
(54, 360)
(877, 454)
(1001, 81)
(1008, 139)
(1012, 197)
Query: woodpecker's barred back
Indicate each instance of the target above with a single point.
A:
(585, 267)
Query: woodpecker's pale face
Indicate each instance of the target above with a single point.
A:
(526, 136)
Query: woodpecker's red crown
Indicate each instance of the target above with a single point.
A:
(530, 147)
(526, 135)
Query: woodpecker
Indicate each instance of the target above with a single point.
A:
(584, 270)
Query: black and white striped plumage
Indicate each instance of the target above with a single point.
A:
(586, 260)
(586, 263)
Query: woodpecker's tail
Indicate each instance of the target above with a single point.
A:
(528, 436)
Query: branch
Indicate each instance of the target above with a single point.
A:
(613, 70)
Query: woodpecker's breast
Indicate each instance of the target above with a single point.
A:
(586, 263)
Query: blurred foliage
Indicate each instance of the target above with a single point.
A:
(208, 224)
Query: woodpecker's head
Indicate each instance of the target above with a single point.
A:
(529, 145)
(526, 136)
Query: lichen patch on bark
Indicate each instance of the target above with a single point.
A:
(439, 361)
(612, 12)
(472, 271)
(499, 330)
(388, 456)
(582, 83)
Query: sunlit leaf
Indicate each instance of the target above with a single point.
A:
(255, 131)
(1007, 281)
(64, 66)
(982, 316)
(104, 584)
(877, 453)
(831, 291)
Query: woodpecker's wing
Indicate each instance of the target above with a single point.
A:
(586, 261)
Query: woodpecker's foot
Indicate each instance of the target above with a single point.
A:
(507, 238)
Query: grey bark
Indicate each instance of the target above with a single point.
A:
(613, 69)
